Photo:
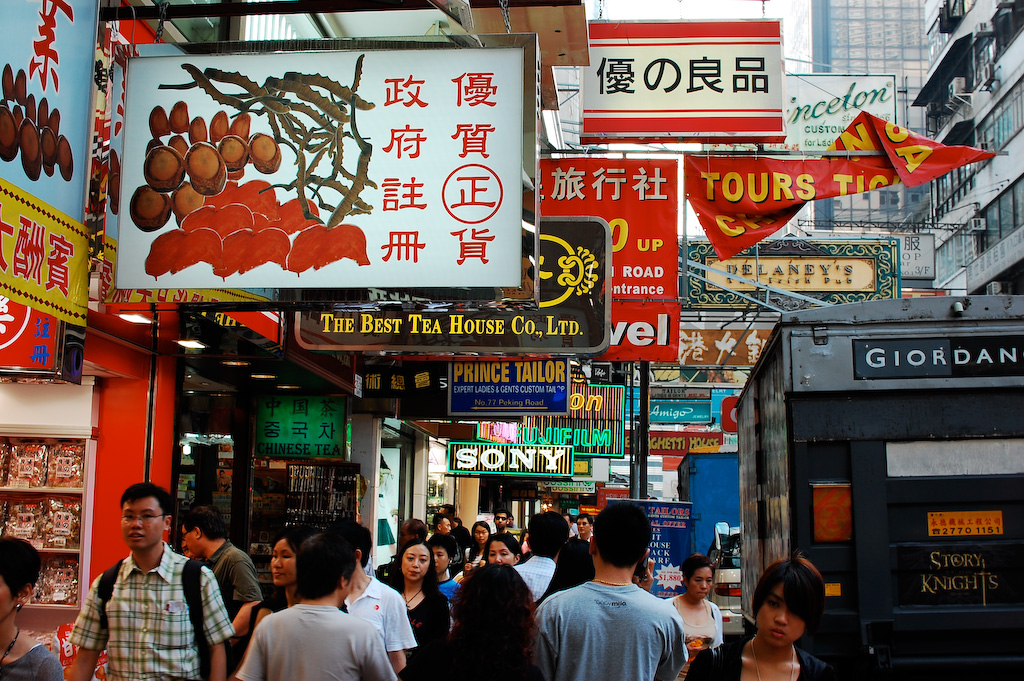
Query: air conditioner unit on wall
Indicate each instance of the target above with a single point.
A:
(988, 75)
(976, 224)
(983, 30)
(957, 87)
(997, 288)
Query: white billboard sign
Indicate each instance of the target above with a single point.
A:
(716, 80)
(348, 168)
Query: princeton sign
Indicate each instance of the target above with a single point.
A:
(496, 459)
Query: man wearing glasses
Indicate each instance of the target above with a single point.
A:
(148, 634)
(502, 520)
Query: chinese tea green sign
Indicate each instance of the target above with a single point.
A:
(298, 426)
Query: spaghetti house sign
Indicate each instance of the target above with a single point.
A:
(479, 457)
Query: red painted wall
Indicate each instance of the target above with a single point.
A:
(121, 433)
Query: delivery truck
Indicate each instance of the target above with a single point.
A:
(885, 439)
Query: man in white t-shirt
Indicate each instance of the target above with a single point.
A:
(377, 603)
(314, 635)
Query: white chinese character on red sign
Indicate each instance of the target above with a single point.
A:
(613, 176)
(644, 184)
(568, 184)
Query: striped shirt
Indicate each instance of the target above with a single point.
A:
(150, 635)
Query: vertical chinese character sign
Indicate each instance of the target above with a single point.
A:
(330, 169)
(640, 201)
(46, 62)
(711, 80)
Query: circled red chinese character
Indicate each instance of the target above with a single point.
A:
(472, 194)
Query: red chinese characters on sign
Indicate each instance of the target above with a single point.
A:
(34, 248)
(471, 194)
(45, 57)
(28, 338)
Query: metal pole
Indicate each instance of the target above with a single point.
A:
(642, 447)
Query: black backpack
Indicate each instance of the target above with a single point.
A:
(193, 598)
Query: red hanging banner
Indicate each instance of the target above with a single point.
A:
(740, 201)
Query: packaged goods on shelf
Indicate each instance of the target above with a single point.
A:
(62, 523)
(5, 460)
(58, 583)
(27, 466)
(25, 521)
(66, 465)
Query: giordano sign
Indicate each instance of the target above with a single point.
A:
(496, 459)
(572, 313)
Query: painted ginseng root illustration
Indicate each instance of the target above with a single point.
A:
(195, 170)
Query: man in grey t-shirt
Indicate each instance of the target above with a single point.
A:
(609, 628)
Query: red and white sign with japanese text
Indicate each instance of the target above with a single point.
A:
(713, 80)
(341, 169)
(28, 338)
(640, 201)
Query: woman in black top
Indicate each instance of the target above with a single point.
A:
(494, 598)
(417, 582)
(789, 600)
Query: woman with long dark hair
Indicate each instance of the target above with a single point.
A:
(475, 554)
(417, 582)
(789, 600)
(493, 633)
(282, 571)
(575, 565)
(702, 619)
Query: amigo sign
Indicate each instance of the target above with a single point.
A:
(475, 457)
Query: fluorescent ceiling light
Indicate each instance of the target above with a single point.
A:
(136, 318)
(190, 344)
(266, 376)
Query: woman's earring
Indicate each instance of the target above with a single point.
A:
(19, 607)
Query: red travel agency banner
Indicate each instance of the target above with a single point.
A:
(740, 201)
(639, 200)
(710, 80)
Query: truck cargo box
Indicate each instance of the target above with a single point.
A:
(886, 440)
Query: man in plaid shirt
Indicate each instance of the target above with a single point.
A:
(149, 634)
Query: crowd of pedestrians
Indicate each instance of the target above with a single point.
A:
(472, 604)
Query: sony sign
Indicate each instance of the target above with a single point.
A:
(499, 459)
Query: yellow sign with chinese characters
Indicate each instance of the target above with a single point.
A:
(44, 256)
(965, 523)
